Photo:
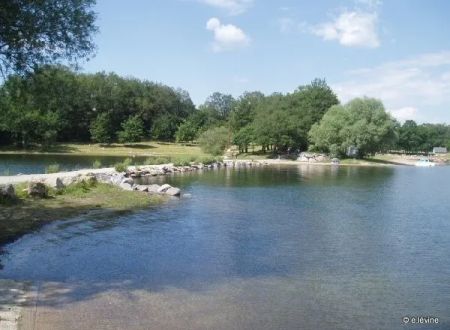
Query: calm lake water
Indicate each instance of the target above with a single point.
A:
(308, 247)
(37, 163)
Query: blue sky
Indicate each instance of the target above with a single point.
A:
(396, 50)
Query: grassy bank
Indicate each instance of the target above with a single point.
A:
(27, 214)
(153, 148)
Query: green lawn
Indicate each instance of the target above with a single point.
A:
(150, 148)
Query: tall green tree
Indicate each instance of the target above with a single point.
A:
(132, 130)
(102, 129)
(362, 123)
(244, 110)
(221, 103)
(44, 31)
(410, 137)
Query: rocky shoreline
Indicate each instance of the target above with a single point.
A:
(125, 180)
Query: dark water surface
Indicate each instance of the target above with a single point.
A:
(12, 164)
(308, 247)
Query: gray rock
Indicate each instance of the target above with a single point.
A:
(116, 179)
(140, 187)
(126, 186)
(37, 189)
(164, 188)
(128, 180)
(153, 188)
(172, 191)
(67, 180)
(56, 183)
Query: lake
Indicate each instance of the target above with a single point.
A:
(297, 247)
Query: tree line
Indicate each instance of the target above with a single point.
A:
(56, 104)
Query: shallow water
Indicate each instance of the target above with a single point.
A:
(309, 247)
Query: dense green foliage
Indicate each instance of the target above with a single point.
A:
(282, 122)
(132, 130)
(37, 32)
(362, 124)
(56, 104)
(414, 138)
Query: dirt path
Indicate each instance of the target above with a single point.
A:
(13, 179)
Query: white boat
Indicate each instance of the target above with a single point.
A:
(425, 162)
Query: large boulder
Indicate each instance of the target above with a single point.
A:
(126, 186)
(128, 180)
(173, 191)
(164, 188)
(37, 189)
(153, 188)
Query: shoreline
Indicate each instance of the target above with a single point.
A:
(21, 178)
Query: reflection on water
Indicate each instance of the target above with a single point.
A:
(311, 247)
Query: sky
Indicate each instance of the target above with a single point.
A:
(394, 50)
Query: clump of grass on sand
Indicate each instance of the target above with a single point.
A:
(122, 167)
(53, 168)
(28, 214)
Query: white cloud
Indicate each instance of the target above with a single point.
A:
(226, 36)
(351, 29)
(418, 87)
(406, 113)
(233, 7)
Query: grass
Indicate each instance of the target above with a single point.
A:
(53, 168)
(149, 148)
(123, 166)
(97, 164)
(29, 214)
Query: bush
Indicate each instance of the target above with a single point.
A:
(206, 160)
(182, 161)
(123, 166)
(78, 188)
(97, 164)
(214, 140)
(53, 168)
(186, 132)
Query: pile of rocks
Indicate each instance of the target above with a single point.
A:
(126, 182)
(310, 157)
(156, 170)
